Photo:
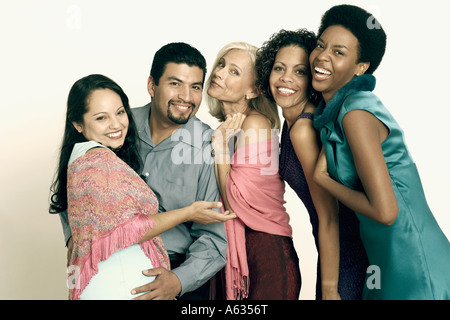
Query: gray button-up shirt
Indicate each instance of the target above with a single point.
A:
(180, 170)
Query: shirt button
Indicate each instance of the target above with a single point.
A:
(147, 174)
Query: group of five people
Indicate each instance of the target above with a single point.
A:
(202, 211)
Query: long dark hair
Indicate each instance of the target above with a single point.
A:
(76, 108)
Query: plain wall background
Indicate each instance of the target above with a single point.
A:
(47, 45)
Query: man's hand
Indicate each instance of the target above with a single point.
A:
(166, 285)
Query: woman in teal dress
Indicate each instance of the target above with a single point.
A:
(366, 165)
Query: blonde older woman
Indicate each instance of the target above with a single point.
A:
(262, 261)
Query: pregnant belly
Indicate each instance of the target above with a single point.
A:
(118, 275)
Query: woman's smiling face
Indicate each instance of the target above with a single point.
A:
(290, 76)
(106, 120)
(334, 61)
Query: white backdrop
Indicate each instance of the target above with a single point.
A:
(47, 45)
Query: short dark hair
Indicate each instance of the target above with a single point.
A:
(265, 57)
(176, 52)
(370, 34)
(77, 106)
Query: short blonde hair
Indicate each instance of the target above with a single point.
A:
(260, 103)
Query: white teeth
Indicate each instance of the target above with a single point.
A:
(323, 71)
(182, 107)
(114, 135)
(286, 90)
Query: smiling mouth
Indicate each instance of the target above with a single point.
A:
(182, 107)
(115, 135)
(285, 91)
(321, 73)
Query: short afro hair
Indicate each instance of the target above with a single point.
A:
(370, 34)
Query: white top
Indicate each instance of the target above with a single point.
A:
(79, 149)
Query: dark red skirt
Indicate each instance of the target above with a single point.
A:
(273, 267)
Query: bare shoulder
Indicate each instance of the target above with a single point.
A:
(361, 124)
(310, 108)
(256, 120)
(358, 118)
(303, 131)
(256, 128)
(304, 126)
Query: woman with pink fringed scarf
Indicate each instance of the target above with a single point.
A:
(262, 263)
(113, 214)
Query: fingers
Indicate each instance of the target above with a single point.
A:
(149, 286)
(153, 272)
(228, 215)
(229, 128)
(234, 121)
(205, 213)
(222, 217)
(150, 290)
(214, 216)
(165, 287)
(216, 204)
(208, 204)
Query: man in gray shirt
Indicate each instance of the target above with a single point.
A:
(176, 152)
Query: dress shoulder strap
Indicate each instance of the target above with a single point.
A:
(304, 115)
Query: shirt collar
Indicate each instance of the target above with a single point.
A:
(143, 127)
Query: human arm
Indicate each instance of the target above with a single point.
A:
(303, 137)
(67, 234)
(364, 133)
(206, 255)
(204, 246)
(220, 139)
(200, 211)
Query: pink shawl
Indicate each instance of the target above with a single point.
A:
(255, 192)
(109, 208)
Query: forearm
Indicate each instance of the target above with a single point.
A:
(365, 135)
(164, 221)
(329, 256)
(353, 199)
(327, 212)
(222, 169)
(205, 256)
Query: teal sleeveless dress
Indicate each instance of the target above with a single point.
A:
(409, 259)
